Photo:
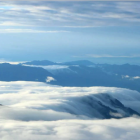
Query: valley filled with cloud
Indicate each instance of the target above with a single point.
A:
(89, 90)
(34, 110)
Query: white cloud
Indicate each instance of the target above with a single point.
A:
(116, 115)
(49, 67)
(49, 79)
(11, 62)
(27, 31)
(125, 76)
(35, 115)
(136, 77)
(9, 23)
(74, 0)
(71, 129)
(35, 95)
(21, 119)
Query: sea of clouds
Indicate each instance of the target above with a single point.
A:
(36, 111)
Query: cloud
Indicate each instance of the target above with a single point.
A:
(116, 115)
(71, 129)
(74, 100)
(49, 67)
(111, 56)
(35, 115)
(136, 77)
(49, 79)
(74, 0)
(107, 56)
(125, 76)
(11, 62)
(69, 14)
(27, 31)
(36, 111)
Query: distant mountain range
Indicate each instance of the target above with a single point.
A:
(77, 73)
(83, 74)
(43, 62)
(46, 62)
(10, 72)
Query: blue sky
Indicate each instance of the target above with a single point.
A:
(63, 31)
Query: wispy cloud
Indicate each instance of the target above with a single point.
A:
(27, 31)
(107, 56)
(74, 0)
(114, 56)
(69, 14)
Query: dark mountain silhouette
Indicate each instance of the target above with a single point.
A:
(46, 62)
(93, 76)
(43, 62)
(126, 69)
(82, 76)
(80, 62)
(10, 72)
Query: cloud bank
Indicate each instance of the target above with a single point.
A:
(35, 95)
(33, 110)
(71, 129)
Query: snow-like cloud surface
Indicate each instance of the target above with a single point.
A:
(33, 110)
(124, 129)
(49, 67)
(38, 95)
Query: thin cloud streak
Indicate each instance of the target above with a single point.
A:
(76, 0)
(27, 31)
(108, 56)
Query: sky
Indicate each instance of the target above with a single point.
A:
(69, 30)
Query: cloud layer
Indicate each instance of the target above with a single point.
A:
(71, 129)
(32, 110)
(34, 95)
(68, 14)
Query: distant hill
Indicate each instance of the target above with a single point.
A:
(124, 76)
(46, 62)
(43, 62)
(80, 62)
(10, 72)
(125, 69)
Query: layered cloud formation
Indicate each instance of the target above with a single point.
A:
(35, 95)
(67, 14)
(33, 110)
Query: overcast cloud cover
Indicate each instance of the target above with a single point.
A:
(32, 110)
